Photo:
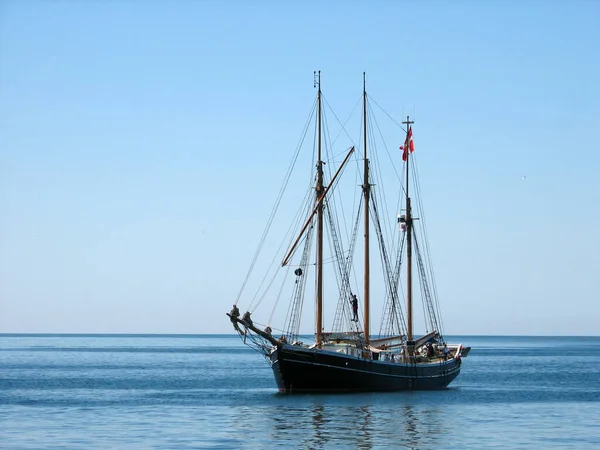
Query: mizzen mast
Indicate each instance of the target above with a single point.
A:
(409, 320)
(366, 192)
(319, 192)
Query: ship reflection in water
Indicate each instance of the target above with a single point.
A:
(350, 422)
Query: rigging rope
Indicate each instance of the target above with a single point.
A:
(277, 203)
(343, 260)
(294, 226)
(386, 113)
(343, 125)
(429, 261)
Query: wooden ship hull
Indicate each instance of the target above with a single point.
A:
(298, 369)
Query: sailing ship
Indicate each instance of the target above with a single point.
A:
(350, 357)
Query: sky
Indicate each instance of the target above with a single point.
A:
(142, 145)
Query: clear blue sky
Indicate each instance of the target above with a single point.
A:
(142, 144)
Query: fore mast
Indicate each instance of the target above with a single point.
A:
(319, 194)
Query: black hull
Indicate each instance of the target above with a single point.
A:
(298, 369)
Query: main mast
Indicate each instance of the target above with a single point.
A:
(366, 192)
(319, 193)
(409, 331)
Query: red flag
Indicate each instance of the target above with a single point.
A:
(409, 145)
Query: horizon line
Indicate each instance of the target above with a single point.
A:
(12, 334)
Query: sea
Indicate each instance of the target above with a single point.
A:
(213, 392)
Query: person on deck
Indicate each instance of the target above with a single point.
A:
(234, 314)
(354, 301)
(430, 351)
(445, 352)
(246, 318)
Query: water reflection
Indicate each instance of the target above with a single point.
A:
(366, 427)
(319, 426)
(363, 422)
(411, 425)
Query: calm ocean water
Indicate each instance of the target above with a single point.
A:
(178, 392)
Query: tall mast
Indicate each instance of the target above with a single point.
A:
(409, 324)
(366, 192)
(319, 193)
